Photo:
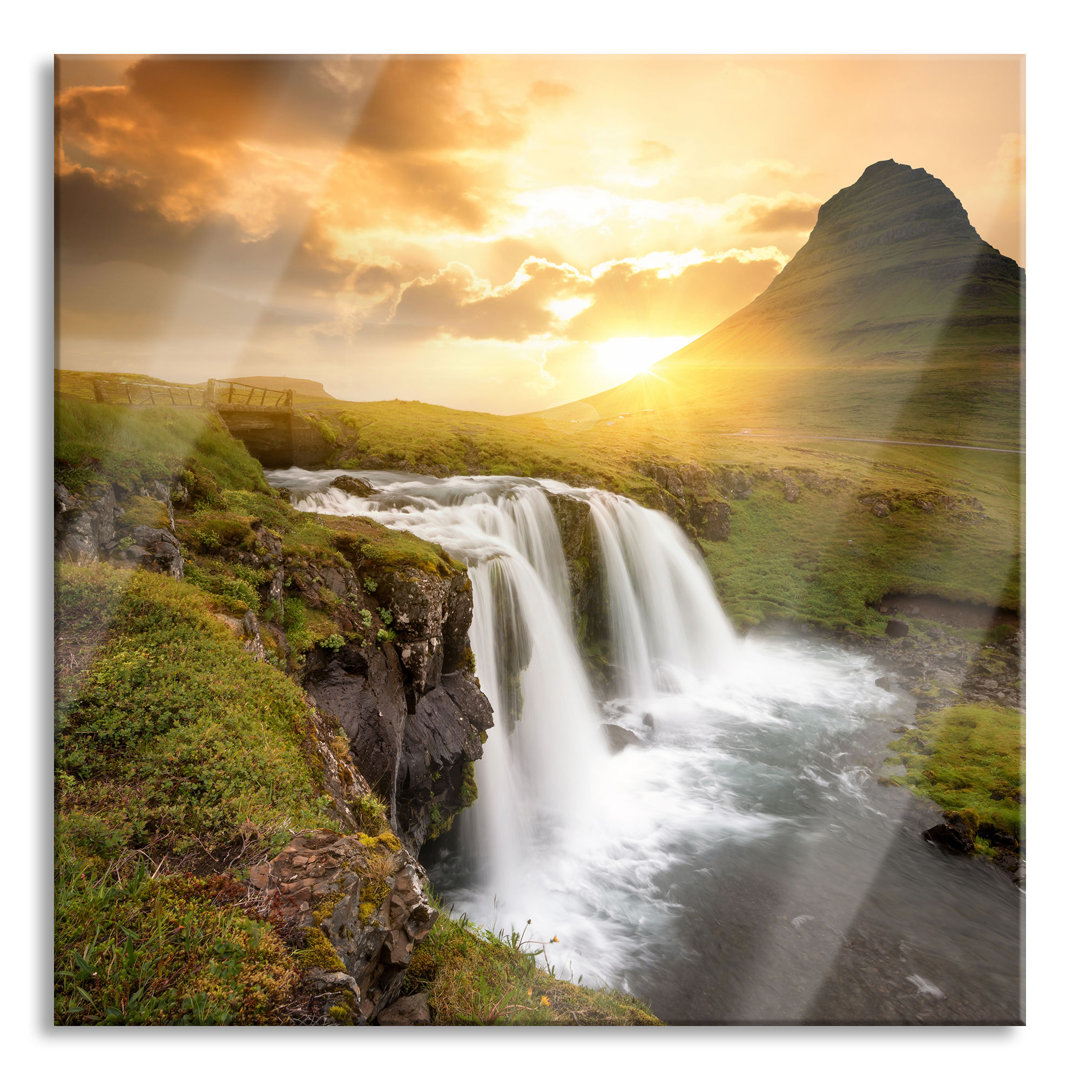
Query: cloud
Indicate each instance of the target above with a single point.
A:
(420, 104)
(101, 220)
(457, 303)
(240, 136)
(1010, 162)
(788, 212)
(677, 295)
(663, 294)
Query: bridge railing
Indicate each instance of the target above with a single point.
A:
(215, 394)
(126, 392)
(244, 395)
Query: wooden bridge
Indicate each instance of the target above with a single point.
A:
(216, 394)
(261, 418)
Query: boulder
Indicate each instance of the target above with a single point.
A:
(710, 518)
(84, 525)
(409, 1011)
(949, 839)
(353, 485)
(619, 738)
(895, 628)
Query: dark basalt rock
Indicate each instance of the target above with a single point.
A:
(896, 629)
(151, 549)
(584, 565)
(710, 518)
(413, 713)
(84, 526)
(950, 839)
(353, 485)
(411, 1011)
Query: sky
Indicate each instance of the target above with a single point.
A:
(489, 232)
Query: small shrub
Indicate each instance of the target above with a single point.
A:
(370, 813)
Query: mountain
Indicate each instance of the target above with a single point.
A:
(895, 319)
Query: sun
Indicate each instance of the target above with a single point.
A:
(623, 358)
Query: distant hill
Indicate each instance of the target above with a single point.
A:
(306, 387)
(895, 319)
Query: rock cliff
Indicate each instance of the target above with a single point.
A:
(377, 635)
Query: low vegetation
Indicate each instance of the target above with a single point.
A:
(133, 948)
(970, 760)
(475, 976)
(171, 738)
(95, 443)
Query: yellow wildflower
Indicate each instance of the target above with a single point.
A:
(544, 999)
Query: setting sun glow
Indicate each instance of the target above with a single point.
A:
(623, 358)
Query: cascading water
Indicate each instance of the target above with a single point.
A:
(675, 868)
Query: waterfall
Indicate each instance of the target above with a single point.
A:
(667, 626)
(546, 780)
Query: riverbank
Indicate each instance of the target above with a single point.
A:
(974, 672)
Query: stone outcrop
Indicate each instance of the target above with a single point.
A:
(688, 493)
(359, 903)
(97, 526)
(409, 704)
(586, 576)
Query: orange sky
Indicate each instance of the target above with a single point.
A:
(489, 232)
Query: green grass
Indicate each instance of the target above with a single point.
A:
(367, 542)
(134, 949)
(130, 446)
(476, 977)
(824, 558)
(970, 760)
(174, 751)
(170, 738)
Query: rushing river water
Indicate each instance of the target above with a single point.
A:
(738, 862)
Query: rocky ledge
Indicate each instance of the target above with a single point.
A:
(358, 903)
